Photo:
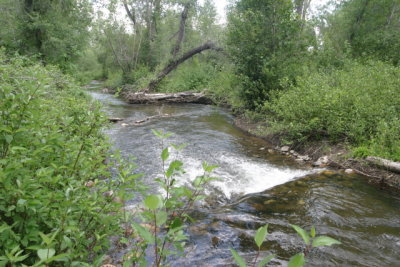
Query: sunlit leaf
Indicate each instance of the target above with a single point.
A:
(165, 154)
(260, 235)
(324, 241)
(153, 202)
(266, 260)
(312, 231)
(239, 260)
(143, 232)
(302, 233)
(45, 254)
(297, 260)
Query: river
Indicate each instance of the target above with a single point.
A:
(259, 187)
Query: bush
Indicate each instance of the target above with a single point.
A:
(194, 75)
(55, 200)
(358, 103)
(88, 67)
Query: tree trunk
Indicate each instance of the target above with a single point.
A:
(181, 32)
(182, 97)
(384, 164)
(131, 15)
(176, 62)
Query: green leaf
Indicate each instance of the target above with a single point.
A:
(197, 181)
(208, 168)
(266, 260)
(45, 254)
(312, 231)
(143, 232)
(153, 202)
(161, 217)
(301, 232)
(45, 238)
(174, 166)
(180, 147)
(165, 154)
(239, 260)
(9, 139)
(260, 235)
(321, 241)
(59, 258)
(157, 133)
(297, 260)
(176, 223)
(4, 227)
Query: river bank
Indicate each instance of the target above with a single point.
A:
(323, 154)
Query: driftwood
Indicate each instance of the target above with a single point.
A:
(147, 119)
(183, 97)
(384, 164)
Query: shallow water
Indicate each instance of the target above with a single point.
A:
(258, 187)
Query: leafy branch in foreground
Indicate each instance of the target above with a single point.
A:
(310, 239)
(159, 234)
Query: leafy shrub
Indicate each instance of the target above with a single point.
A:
(88, 67)
(225, 88)
(160, 234)
(358, 103)
(192, 76)
(55, 201)
(114, 79)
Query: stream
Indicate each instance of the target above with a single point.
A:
(258, 187)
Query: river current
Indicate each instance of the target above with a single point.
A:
(258, 187)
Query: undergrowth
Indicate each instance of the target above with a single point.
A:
(56, 195)
(358, 104)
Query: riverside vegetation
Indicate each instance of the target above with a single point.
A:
(58, 204)
(339, 84)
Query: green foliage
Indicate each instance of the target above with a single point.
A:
(302, 233)
(261, 235)
(263, 56)
(114, 79)
(239, 260)
(56, 31)
(88, 67)
(369, 27)
(160, 232)
(297, 260)
(56, 201)
(358, 103)
(191, 76)
(324, 241)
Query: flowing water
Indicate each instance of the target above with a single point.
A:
(259, 187)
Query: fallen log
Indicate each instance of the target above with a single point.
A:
(182, 97)
(384, 164)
